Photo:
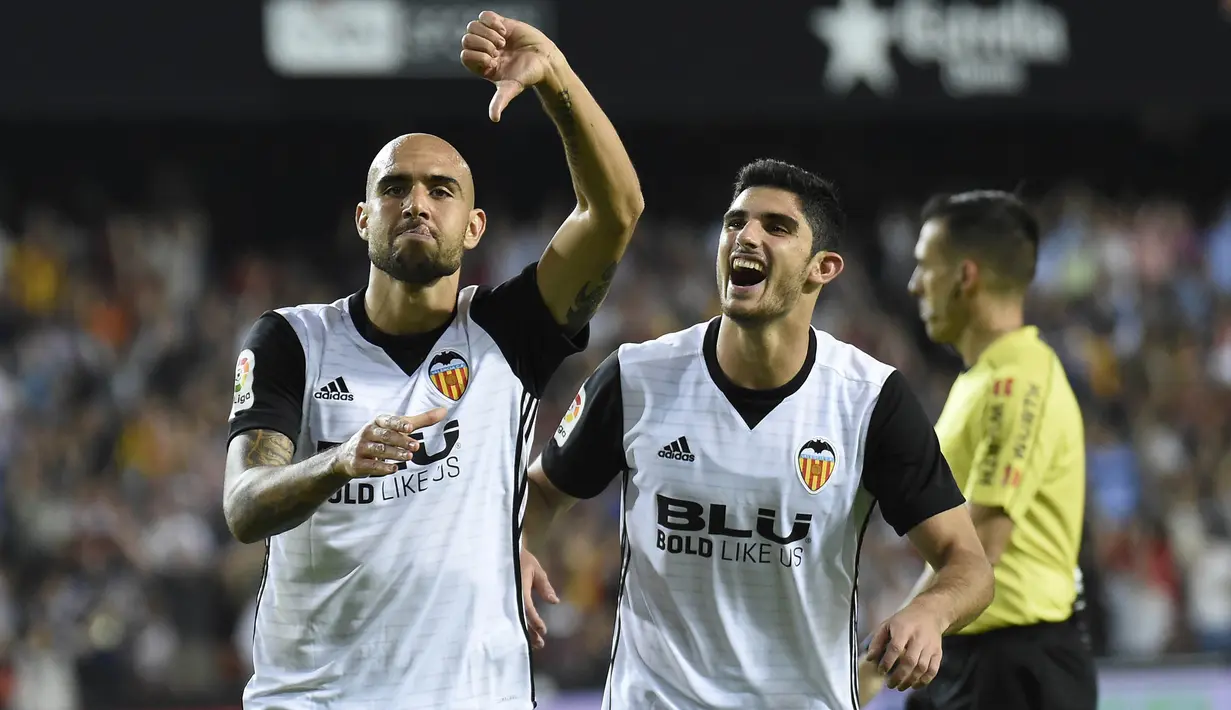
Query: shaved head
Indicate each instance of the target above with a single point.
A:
(418, 213)
(416, 148)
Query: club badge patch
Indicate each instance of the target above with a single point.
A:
(815, 464)
(449, 374)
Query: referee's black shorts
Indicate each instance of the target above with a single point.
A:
(1038, 667)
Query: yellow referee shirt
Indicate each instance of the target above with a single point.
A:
(1013, 435)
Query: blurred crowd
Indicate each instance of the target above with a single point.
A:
(120, 584)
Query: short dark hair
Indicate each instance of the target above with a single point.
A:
(817, 197)
(994, 227)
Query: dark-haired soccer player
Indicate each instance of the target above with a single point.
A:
(752, 450)
(1012, 431)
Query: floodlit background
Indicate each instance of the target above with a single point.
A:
(169, 172)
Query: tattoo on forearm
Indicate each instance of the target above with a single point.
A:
(268, 448)
(562, 111)
(588, 299)
(275, 501)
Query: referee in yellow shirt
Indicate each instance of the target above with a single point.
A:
(1012, 432)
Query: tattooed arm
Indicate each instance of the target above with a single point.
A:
(575, 272)
(265, 494)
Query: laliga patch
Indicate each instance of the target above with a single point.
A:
(243, 382)
(570, 417)
(449, 374)
(815, 464)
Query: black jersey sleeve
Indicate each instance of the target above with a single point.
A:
(587, 450)
(903, 467)
(516, 317)
(269, 379)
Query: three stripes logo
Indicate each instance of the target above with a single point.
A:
(816, 462)
(677, 451)
(335, 391)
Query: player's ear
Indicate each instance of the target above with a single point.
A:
(361, 220)
(824, 267)
(475, 229)
(968, 274)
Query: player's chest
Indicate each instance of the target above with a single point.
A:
(796, 459)
(457, 457)
(350, 388)
(712, 491)
(954, 427)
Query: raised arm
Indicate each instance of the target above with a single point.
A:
(575, 272)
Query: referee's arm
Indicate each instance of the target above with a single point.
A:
(575, 272)
(1004, 476)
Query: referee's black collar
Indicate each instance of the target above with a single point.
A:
(388, 341)
(736, 393)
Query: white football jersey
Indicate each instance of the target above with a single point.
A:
(401, 591)
(744, 512)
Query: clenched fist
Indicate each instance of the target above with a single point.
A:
(377, 448)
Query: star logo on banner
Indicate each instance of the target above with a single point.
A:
(858, 35)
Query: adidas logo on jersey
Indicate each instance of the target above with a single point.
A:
(335, 391)
(677, 450)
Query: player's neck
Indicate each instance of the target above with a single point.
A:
(399, 308)
(764, 356)
(991, 320)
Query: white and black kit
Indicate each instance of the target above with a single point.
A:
(402, 591)
(743, 515)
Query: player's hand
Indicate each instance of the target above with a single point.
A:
(871, 681)
(534, 579)
(907, 647)
(376, 449)
(510, 54)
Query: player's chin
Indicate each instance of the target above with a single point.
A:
(743, 310)
(938, 331)
(414, 251)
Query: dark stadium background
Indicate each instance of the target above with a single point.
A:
(170, 170)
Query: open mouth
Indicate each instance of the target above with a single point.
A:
(746, 273)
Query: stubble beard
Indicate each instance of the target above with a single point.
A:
(415, 269)
(776, 302)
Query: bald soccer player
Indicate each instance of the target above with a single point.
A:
(378, 444)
